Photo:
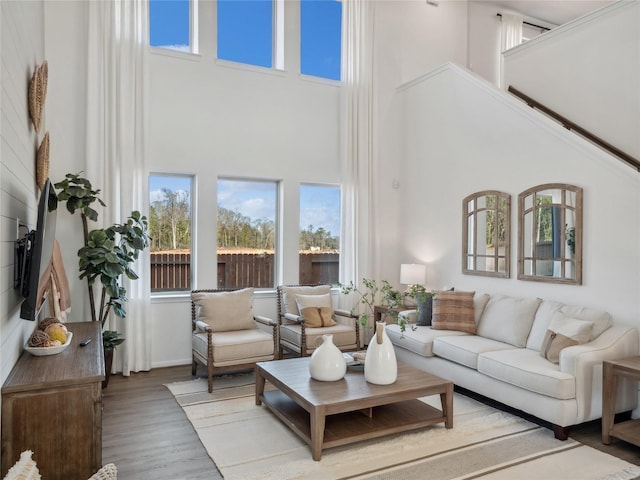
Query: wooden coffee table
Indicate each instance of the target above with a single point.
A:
(329, 414)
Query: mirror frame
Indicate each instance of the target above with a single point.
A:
(466, 253)
(563, 259)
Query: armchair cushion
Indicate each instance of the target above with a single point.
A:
(289, 296)
(317, 310)
(225, 311)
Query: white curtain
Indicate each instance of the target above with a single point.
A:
(357, 140)
(117, 125)
(510, 36)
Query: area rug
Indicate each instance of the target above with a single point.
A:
(248, 443)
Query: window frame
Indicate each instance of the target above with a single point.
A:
(194, 35)
(277, 222)
(193, 227)
(277, 43)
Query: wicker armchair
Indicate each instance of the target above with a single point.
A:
(297, 335)
(225, 334)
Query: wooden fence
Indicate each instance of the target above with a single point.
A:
(172, 271)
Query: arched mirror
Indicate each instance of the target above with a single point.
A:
(486, 217)
(550, 234)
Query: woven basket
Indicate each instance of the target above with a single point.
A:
(38, 94)
(42, 162)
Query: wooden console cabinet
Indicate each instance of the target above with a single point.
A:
(52, 405)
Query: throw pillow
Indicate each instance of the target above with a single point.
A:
(425, 310)
(225, 311)
(289, 295)
(564, 332)
(317, 310)
(453, 311)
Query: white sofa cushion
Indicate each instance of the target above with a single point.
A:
(508, 319)
(547, 309)
(465, 350)
(420, 340)
(541, 322)
(601, 319)
(479, 304)
(527, 369)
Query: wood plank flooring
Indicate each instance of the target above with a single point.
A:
(147, 435)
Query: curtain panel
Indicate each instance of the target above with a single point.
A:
(117, 137)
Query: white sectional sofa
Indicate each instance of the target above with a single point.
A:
(503, 360)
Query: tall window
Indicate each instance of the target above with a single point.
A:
(245, 31)
(169, 24)
(321, 38)
(170, 228)
(319, 234)
(246, 233)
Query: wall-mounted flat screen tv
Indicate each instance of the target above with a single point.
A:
(39, 252)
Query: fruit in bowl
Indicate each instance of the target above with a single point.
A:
(50, 333)
(57, 331)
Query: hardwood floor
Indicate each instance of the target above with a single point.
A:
(147, 435)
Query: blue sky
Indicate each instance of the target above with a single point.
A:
(245, 32)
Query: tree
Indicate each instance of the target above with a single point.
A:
(170, 221)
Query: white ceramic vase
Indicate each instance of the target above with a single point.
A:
(327, 362)
(380, 365)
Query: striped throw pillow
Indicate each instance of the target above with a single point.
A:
(453, 310)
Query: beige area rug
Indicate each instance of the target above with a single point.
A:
(248, 443)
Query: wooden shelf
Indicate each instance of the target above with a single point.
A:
(349, 427)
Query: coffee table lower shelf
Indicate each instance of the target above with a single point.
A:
(356, 426)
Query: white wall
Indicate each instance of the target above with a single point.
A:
(66, 49)
(464, 136)
(22, 50)
(589, 71)
(411, 37)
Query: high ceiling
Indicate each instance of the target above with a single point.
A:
(556, 12)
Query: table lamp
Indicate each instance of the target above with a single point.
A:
(412, 274)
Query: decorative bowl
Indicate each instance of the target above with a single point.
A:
(42, 351)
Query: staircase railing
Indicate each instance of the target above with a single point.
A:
(568, 124)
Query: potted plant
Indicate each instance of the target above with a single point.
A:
(423, 301)
(107, 254)
(370, 294)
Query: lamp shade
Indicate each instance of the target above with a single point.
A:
(413, 274)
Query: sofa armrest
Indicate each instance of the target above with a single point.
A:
(616, 342)
(265, 321)
(202, 326)
(345, 313)
(409, 316)
(290, 317)
(584, 362)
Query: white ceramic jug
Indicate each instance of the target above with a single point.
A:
(380, 365)
(327, 362)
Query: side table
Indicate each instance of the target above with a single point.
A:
(629, 431)
(379, 311)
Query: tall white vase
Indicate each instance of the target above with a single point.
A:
(327, 362)
(380, 364)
